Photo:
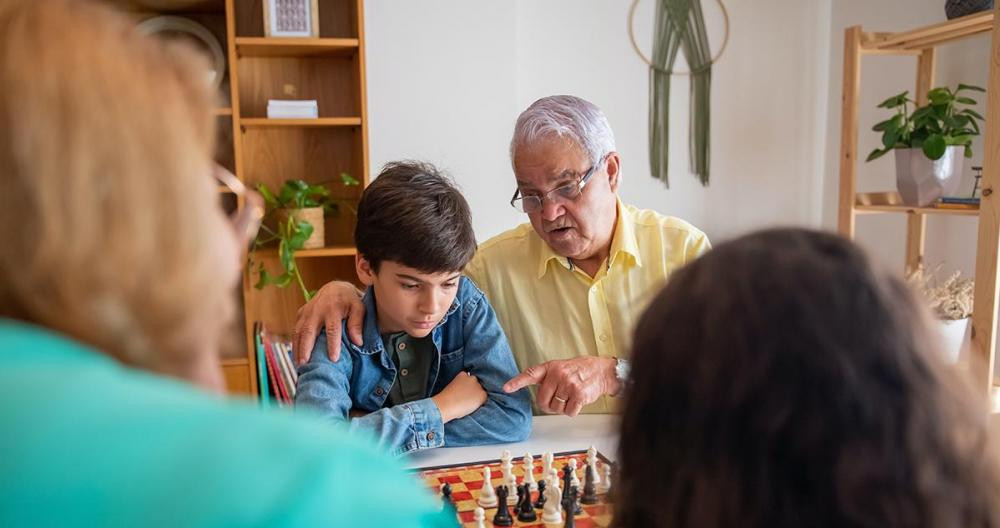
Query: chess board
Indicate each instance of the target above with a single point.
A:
(466, 481)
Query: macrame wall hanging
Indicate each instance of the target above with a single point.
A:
(679, 25)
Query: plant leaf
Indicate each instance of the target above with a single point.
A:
(876, 154)
(968, 151)
(894, 101)
(348, 180)
(269, 198)
(972, 113)
(939, 96)
(966, 100)
(889, 137)
(969, 87)
(934, 146)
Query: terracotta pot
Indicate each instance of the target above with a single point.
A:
(313, 215)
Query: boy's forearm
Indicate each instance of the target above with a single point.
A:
(404, 428)
(503, 418)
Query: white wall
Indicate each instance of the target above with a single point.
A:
(447, 79)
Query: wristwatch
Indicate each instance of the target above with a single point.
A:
(622, 368)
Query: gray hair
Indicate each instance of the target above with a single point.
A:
(565, 116)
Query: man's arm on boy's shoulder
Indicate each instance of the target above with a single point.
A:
(324, 386)
(504, 417)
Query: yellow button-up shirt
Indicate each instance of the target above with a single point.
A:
(550, 309)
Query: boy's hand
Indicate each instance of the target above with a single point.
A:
(460, 398)
(334, 302)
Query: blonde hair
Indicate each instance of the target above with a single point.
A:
(106, 200)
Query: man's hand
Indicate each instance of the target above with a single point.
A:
(334, 302)
(460, 398)
(566, 385)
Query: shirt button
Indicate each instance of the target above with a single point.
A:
(379, 391)
(604, 338)
(430, 436)
(401, 346)
(404, 372)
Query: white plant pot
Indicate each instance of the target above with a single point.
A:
(921, 180)
(955, 336)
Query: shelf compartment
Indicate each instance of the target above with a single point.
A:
(933, 35)
(331, 81)
(332, 251)
(295, 47)
(337, 18)
(891, 202)
(318, 122)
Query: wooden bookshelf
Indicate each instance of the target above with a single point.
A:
(922, 43)
(329, 69)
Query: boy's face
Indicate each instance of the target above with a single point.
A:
(409, 301)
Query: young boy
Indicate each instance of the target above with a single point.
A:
(434, 357)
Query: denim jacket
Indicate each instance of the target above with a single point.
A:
(468, 338)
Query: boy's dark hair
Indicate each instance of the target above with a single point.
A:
(412, 214)
(782, 380)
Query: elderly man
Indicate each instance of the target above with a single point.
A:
(568, 287)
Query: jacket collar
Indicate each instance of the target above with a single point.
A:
(370, 332)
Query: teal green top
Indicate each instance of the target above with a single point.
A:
(88, 442)
(412, 357)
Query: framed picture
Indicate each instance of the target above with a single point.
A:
(291, 18)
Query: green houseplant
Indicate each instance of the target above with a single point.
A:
(294, 219)
(928, 140)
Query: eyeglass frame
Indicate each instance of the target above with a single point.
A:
(578, 186)
(249, 213)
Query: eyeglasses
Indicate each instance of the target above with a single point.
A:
(249, 205)
(532, 203)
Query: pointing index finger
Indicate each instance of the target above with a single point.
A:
(531, 376)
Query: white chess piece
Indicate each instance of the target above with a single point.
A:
(487, 495)
(592, 462)
(529, 472)
(605, 484)
(574, 480)
(510, 481)
(546, 463)
(479, 515)
(504, 457)
(552, 512)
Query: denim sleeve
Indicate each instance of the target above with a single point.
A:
(504, 417)
(325, 387)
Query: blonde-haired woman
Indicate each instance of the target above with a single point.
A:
(116, 260)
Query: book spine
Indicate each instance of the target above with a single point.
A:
(272, 370)
(261, 363)
(286, 369)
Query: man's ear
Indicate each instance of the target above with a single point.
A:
(614, 170)
(364, 268)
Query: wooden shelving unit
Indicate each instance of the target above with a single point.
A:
(921, 42)
(330, 69)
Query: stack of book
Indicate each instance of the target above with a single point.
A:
(276, 375)
(283, 109)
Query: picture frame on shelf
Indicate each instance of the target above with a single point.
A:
(291, 18)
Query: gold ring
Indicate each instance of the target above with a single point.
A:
(560, 400)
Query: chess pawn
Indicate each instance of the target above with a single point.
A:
(605, 483)
(479, 515)
(552, 512)
(529, 472)
(542, 484)
(547, 460)
(487, 495)
(510, 480)
(592, 462)
(574, 480)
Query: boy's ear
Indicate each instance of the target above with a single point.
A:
(365, 273)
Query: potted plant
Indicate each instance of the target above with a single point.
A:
(929, 142)
(294, 219)
(951, 303)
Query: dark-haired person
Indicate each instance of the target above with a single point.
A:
(569, 285)
(783, 380)
(433, 360)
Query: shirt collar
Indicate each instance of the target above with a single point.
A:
(622, 241)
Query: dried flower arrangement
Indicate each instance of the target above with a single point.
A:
(949, 300)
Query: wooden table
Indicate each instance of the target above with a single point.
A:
(548, 433)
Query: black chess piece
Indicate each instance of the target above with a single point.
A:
(566, 478)
(575, 495)
(540, 503)
(525, 511)
(502, 518)
(568, 502)
(589, 489)
(446, 495)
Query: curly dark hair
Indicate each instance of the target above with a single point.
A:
(783, 380)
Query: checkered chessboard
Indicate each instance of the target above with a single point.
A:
(467, 480)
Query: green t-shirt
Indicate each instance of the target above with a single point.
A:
(89, 442)
(412, 357)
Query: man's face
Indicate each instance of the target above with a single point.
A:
(579, 228)
(409, 300)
